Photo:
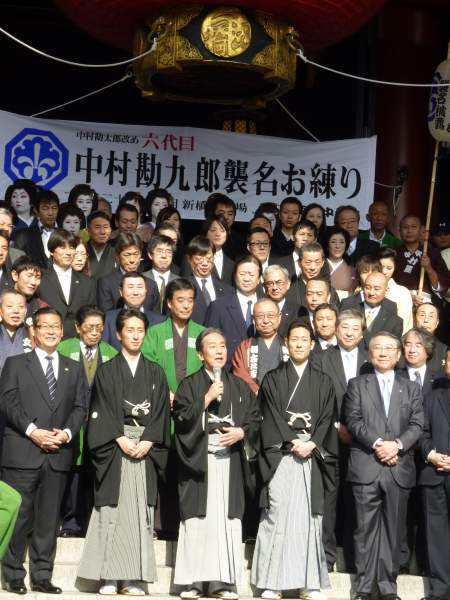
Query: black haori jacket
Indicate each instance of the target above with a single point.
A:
(273, 398)
(191, 441)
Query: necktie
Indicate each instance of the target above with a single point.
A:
(89, 354)
(205, 293)
(370, 316)
(249, 319)
(51, 380)
(386, 395)
(162, 291)
(418, 378)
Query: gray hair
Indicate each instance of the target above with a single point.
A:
(389, 335)
(205, 333)
(311, 247)
(272, 268)
(425, 338)
(350, 313)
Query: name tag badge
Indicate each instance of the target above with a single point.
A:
(168, 344)
(191, 342)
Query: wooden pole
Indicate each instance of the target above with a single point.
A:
(429, 211)
(430, 204)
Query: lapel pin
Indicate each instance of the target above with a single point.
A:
(66, 368)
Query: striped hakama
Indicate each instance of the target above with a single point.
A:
(119, 540)
(289, 552)
(210, 548)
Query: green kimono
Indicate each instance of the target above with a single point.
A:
(158, 347)
(10, 501)
(71, 349)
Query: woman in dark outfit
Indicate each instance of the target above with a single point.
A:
(128, 436)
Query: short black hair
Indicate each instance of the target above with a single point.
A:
(45, 197)
(386, 252)
(86, 311)
(60, 238)
(129, 313)
(205, 333)
(301, 322)
(179, 284)
(247, 258)
(257, 230)
(342, 208)
(128, 207)
(199, 245)
(305, 224)
(98, 214)
(326, 306)
(159, 240)
(291, 200)
(45, 310)
(209, 222)
(83, 189)
(26, 263)
(131, 275)
(70, 210)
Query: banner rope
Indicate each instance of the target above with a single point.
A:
(77, 64)
(303, 57)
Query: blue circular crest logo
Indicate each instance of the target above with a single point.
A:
(38, 155)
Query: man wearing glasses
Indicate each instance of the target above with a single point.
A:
(258, 244)
(276, 286)
(384, 416)
(89, 350)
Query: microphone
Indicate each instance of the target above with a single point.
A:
(217, 372)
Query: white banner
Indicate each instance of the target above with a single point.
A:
(190, 163)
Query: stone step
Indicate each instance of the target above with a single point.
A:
(85, 596)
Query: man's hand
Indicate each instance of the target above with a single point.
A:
(302, 449)
(386, 451)
(127, 446)
(142, 449)
(61, 436)
(417, 299)
(214, 392)
(344, 434)
(231, 436)
(425, 262)
(45, 440)
(440, 461)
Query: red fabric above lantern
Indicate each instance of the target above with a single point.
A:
(319, 22)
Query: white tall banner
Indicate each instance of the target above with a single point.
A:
(190, 163)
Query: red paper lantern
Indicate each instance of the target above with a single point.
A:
(320, 23)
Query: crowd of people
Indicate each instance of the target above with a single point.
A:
(289, 388)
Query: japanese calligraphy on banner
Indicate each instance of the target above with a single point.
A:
(190, 163)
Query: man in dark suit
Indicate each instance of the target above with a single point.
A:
(233, 313)
(200, 256)
(379, 313)
(347, 217)
(43, 399)
(60, 286)
(434, 480)
(102, 256)
(324, 322)
(426, 317)
(259, 245)
(342, 362)
(384, 416)
(27, 276)
(132, 292)
(276, 286)
(128, 254)
(34, 240)
(161, 250)
(283, 236)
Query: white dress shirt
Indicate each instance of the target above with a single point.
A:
(41, 354)
(45, 235)
(218, 261)
(244, 300)
(352, 247)
(209, 286)
(296, 258)
(157, 277)
(373, 309)
(350, 362)
(65, 280)
(412, 372)
(324, 344)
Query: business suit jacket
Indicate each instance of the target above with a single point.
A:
(386, 319)
(200, 307)
(225, 314)
(297, 294)
(428, 382)
(288, 263)
(436, 432)
(289, 313)
(24, 399)
(108, 295)
(366, 421)
(150, 276)
(330, 362)
(227, 270)
(437, 361)
(109, 331)
(363, 248)
(82, 291)
(107, 263)
(30, 241)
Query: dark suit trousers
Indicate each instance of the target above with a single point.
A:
(329, 516)
(436, 500)
(78, 500)
(380, 514)
(41, 491)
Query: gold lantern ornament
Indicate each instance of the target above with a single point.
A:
(216, 54)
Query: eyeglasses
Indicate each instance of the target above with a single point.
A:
(260, 244)
(163, 251)
(379, 348)
(92, 328)
(46, 327)
(269, 316)
(271, 284)
(80, 255)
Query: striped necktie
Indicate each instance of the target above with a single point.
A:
(89, 354)
(51, 380)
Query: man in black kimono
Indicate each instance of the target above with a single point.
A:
(215, 414)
